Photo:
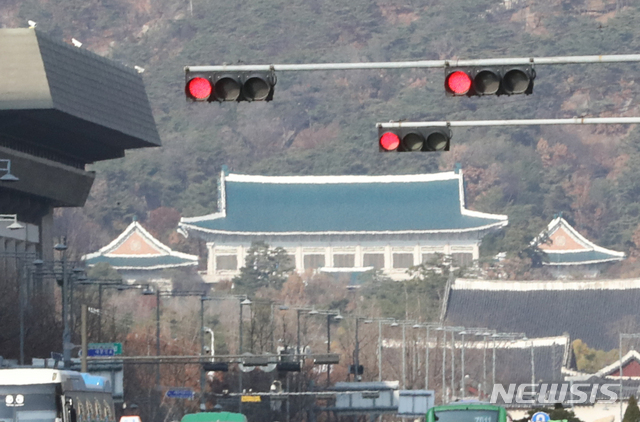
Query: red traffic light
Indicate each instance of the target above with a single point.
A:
(389, 141)
(489, 80)
(407, 139)
(229, 86)
(199, 89)
(458, 83)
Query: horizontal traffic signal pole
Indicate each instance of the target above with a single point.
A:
(516, 122)
(558, 60)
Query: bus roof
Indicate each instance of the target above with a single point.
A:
(214, 417)
(30, 376)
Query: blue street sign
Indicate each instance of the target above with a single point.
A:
(101, 351)
(182, 393)
(540, 417)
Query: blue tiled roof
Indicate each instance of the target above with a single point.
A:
(142, 263)
(582, 257)
(264, 205)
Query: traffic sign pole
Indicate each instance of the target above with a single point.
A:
(558, 60)
(516, 122)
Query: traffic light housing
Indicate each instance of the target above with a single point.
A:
(404, 139)
(489, 80)
(352, 369)
(216, 366)
(288, 366)
(229, 86)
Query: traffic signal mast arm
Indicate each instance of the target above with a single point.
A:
(615, 58)
(516, 122)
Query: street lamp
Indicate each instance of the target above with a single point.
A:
(14, 219)
(7, 176)
(204, 329)
(335, 314)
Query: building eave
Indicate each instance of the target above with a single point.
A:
(195, 228)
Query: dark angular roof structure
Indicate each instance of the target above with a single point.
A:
(336, 205)
(74, 106)
(593, 311)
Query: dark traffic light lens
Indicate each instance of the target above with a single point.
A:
(199, 89)
(256, 89)
(437, 141)
(458, 83)
(227, 89)
(389, 141)
(515, 82)
(486, 82)
(413, 142)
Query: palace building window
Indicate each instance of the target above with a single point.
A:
(226, 262)
(313, 261)
(461, 259)
(344, 260)
(402, 260)
(375, 260)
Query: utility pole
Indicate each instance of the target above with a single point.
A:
(83, 363)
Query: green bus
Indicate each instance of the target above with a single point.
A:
(214, 417)
(467, 412)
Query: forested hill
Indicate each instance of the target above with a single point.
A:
(324, 122)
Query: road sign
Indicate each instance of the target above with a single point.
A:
(540, 417)
(104, 349)
(181, 393)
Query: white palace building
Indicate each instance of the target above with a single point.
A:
(342, 223)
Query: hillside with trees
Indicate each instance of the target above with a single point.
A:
(324, 122)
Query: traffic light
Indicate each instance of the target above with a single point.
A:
(229, 86)
(288, 366)
(489, 80)
(216, 366)
(352, 369)
(404, 139)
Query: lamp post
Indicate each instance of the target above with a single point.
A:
(379, 351)
(428, 326)
(23, 281)
(338, 318)
(204, 329)
(469, 331)
(170, 293)
(404, 348)
(620, 337)
(330, 313)
(66, 333)
(102, 284)
(66, 280)
(244, 302)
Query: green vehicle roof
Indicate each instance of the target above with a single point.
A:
(458, 406)
(214, 417)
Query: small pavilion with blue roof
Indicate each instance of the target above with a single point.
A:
(138, 256)
(571, 254)
(342, 222)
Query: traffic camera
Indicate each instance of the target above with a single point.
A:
(229, 86)
(489, 80)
